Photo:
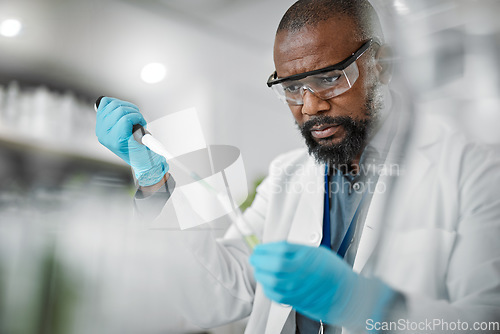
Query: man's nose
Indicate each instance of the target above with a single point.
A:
(313, 104)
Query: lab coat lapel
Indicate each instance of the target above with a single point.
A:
(306, 228)
(422, 154)
(278, 313)
(307, 223)
(412, 172)
(369, 234)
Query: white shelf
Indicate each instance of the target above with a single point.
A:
(83, 149)
(38, 120)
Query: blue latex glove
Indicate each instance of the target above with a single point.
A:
(319, 284)
(115, 119)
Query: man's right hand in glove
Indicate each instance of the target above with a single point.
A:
(115, 120)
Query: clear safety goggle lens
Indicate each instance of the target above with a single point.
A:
(324, 85)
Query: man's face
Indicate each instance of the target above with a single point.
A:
(335, 130)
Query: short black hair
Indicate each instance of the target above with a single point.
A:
(311, 12)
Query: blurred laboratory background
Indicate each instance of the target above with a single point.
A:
(212, 55)
(67, 265)
(69, 261)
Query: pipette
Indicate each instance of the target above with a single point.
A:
(145, 138)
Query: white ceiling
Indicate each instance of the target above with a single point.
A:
(83, 43)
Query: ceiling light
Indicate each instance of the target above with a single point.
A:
(10, 28)
(153, 73)
(401, 7)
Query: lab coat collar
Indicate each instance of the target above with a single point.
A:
(415, 163)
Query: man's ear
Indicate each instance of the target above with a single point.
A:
(384, 64)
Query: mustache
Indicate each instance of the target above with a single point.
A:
(341, 153)
(344, 121)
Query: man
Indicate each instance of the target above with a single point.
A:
(330, 70)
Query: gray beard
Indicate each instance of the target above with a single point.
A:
(341, 155)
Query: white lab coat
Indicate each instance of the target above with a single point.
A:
(440, 243)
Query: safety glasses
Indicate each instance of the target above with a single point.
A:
(325, 83)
